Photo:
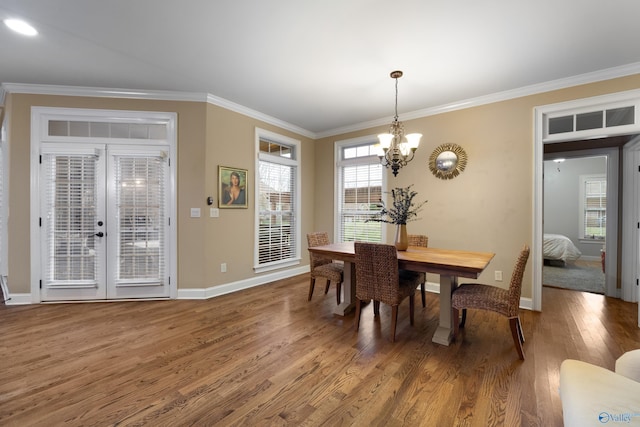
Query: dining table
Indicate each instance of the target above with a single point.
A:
(449, 264)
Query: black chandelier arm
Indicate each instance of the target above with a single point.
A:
(406, 159)
(396, 158)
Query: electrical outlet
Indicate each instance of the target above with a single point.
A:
(223, 267)
(498, 276)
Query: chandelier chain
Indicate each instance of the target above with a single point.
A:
(396, 116)
(396, 153)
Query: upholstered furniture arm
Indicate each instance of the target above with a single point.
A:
(595, 396)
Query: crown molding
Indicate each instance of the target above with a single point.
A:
(229, 105)
(99, 92)
(593, 77)
(596, 76)
(158, 95)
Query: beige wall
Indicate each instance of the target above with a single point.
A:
(208, 136)
(231, 142)
(488, 207)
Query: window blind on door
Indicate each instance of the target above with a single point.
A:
(70, 219)
(140, 200)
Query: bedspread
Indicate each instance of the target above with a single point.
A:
(559, 247)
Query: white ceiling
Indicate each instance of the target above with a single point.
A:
(319, 65)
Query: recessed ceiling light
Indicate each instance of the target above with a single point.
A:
(20, 26)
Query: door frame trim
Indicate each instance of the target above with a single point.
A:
(630, 216)
(39, 132)
(541, 114)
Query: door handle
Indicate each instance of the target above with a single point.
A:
(100, 234)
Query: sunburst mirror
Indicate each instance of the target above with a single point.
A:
(447, 161)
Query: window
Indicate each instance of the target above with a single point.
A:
(277, 201)
(360, 185)
(593, 207)
(615, 114)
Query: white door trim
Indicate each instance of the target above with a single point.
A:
(541, 113)
(630, 221)
(40, 117)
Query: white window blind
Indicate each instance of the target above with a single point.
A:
(594, 207)
(277, 199)
(140, 193)
(359, 194)
(71, 200)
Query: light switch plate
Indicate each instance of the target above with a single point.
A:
(214, 212)
(195, 212)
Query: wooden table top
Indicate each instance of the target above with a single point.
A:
(430, 260)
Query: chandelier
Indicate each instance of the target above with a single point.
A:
(396, 153)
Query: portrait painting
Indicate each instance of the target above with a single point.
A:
(232, 191)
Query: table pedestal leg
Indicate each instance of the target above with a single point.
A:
(444, 333)
(348, 289)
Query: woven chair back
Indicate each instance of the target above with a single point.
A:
(418, 240)
(377, 272)
(318, 238)
(515, 286)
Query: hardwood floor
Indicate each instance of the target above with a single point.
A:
(266, 356)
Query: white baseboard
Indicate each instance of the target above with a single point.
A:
(526, 303)
(227, 288)
(590, 258)
(13, 299)
(204, 293)
(18, 299)
(432, 287)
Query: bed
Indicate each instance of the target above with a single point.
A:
(556, 247)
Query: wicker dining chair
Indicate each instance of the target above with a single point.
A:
(420, 240)
(324, 267)
(379, 279)
(502, 301)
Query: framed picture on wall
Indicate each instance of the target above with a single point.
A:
(232, 191)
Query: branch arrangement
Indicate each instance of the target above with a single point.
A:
(403, 209)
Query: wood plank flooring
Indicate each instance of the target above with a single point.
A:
(267, 357)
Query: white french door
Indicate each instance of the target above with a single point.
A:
(104, 221)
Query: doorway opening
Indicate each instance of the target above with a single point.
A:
(575, 215)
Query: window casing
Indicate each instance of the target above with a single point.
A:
(610, 115)
(277, 202)
(593, 207)
(4, 197)
(359, 182)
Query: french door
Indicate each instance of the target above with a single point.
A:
(104, 221)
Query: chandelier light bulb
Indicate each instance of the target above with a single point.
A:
(385, 140)
(413, 139)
